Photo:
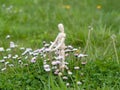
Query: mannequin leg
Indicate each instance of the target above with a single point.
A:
(62, 54)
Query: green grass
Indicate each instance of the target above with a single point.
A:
(29, 22)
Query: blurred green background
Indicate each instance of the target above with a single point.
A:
(37, 20)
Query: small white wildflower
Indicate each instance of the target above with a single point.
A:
(46, 45)
(54, 67)
(68, 50)
(41, 50)
(76, 55)
(2, 61)
(67, 84)
(44, 55)
(11, 65)
(76, 68)
(12, 45)
(56, 71)
(6, 63)
(22, 48)
(44, 62)
(47, 68)
(5, 57)
(59, 57)
(8, 36)
(26, 57)
(79, 83)
(60, 74)
(82, 55)
(66, 54)
(82, 74)
(54, 63)
(66, 67)
(3, 69)
(75, 49)
(1, 49)
(83, 63)
(44, 42)
(9, 55)
(69, 72)
(41, 54)
(14, 57)
(30, 53)
(8, 49)
(19, 61)
(33, 60)
(26, 51)
(36, 51)
(70, 47)
(19, 58)
(47, 50)
(35, 54)
(51, 42)
(65, 77)
(58, 62)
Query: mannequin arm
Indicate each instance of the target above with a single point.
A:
(62, 41)
(53, 43)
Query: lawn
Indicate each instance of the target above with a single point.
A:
(91, 26)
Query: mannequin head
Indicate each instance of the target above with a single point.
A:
(61, 27)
